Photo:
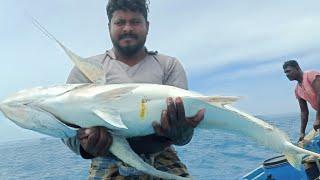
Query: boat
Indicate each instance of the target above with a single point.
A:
(279, 168)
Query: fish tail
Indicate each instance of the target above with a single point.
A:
(123, 151)
(295, 154)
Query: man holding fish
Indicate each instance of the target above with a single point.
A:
(130, 62)
(307, 90)
(129, 110)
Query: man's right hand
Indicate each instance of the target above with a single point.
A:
(316, 124)
(95, 140)
(301, 137)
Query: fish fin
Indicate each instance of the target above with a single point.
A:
(115, 93)
(123, 151)
(308, 138)
(91, 69)
(38, 120)
(295, 154)
(111, 116)
(222, 100)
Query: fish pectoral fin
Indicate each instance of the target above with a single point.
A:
(222, 100)
(111, 116)
(115, 94)
(121, 149)
(308, 138)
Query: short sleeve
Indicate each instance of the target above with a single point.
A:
(311, 76)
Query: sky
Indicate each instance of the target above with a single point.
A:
(227, 47)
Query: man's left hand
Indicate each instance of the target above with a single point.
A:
(316, 124)
(174, 125)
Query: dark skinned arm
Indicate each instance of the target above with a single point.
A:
(304, 117)
(94, 141)
(174, 128)
(175, 125)
(316, 88)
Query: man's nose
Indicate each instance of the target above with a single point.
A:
(127, 28)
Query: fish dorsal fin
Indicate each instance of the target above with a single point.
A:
(223, 100)
(115, 93)
(111, 116)
(91, 69)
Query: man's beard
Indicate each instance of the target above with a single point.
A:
(128, 50)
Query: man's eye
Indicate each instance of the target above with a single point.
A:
(135, 22)
(119, 23)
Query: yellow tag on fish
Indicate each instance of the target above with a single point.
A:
(143, 109)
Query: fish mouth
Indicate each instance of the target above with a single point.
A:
(70, 125)
(6, 109)
(63, 122)
(3, 107)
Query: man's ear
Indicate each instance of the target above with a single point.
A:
(147, 24)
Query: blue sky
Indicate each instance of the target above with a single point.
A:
(227, 47)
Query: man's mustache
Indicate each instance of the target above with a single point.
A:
(122, 36)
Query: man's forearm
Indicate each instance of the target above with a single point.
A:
(318, 110)
(72, 143)
(148, 144)
(304, 121)
(185, 139)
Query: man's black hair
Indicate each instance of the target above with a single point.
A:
(292, 63)
(140, 6)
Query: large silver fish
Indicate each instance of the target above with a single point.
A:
(128, 110)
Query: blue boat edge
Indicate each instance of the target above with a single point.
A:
(278, 167)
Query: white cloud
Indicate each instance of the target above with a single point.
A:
(254, 71)
(228, 32)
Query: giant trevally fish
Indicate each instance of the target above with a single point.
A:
(128, 110)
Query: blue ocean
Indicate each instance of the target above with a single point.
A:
(210, 155)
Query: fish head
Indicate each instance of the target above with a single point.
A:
(16, 113)
(38, 93)
(14, 106)
(31, 117)
(23, 109)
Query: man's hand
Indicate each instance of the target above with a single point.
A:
(301, 137)
(316, 124)
(95, 141)
(174, 125)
